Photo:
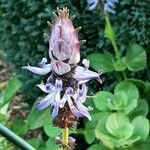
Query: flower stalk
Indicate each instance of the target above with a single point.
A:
(112, 38)
(65, 137)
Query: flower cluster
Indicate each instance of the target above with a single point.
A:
(66, 86)
(108, 5)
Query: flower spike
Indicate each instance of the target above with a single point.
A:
(65, 88)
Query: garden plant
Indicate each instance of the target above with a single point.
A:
(95, 92)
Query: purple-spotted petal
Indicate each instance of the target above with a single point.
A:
(37, 70)
(83, 75)
(60, 67)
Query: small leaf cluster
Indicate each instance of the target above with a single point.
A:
(116, 128)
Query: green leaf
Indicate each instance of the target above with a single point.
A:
(34, 142)
(90, 127)
(135, 58)
(97, 147)
(141, 127)
(51, 145)
(131, 92)
(52, 131)
(127, 142)
(38, 118)
(20, 126)
(141, 145)
(118, 125)
(138, 83)
(118, 101)
(102, 61)
(13, 86)
(120, 65)
(101, 132)
(101, 100)
(141, 109)
(89, 136)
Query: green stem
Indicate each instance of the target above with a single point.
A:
(112, 38)
(65, 137)
(12, 137)
(116, 49)
(113, 41)
(124, 75)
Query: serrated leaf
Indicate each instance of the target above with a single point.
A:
(38, 118)
(131, 92)
(135, 57)
(102, 99)
(141, 127)
(102, 61)
(52, 131)
(102, 134)
(118, 125)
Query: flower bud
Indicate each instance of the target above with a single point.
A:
(64, 44)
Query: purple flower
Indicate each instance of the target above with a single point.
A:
(42, 70)
(65, 87)
(53, 98)
(83, 74)
(108, 6)
(75, 101)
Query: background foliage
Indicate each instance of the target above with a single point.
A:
(22, 24)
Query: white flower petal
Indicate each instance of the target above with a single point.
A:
(83, 75)
(38, 70)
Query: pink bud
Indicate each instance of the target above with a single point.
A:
(64, 43)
